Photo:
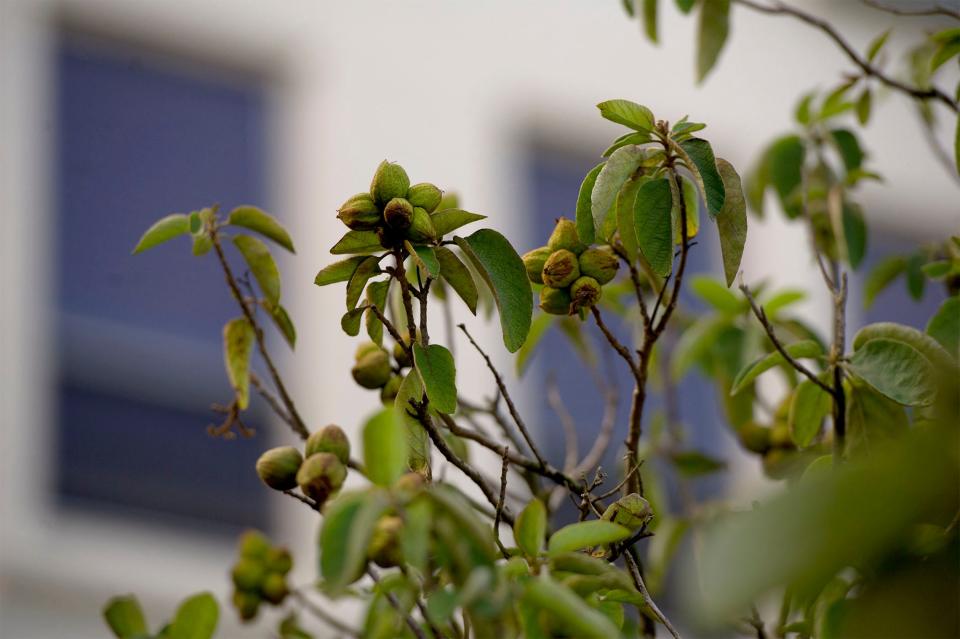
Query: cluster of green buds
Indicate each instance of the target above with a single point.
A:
(572, 273)
(319, 472)
(373, 369)
(260, 574)
(772, 442)
(394, 208)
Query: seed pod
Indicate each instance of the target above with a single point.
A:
(360, 213)
(389, 181)
(329, 439)
(555, 301)
(425, 195)
(278, 467)
(599, 263)
(372, 370)
(279, 561)
(754, 437)
(247, 604)
(560, 269)
(398, 214)
(274, 588)
(389, 391)
(565, 236)
(421, 227)
(400, 353)
(533, 261)
(321, 475)
(585, 292)
(631, 511)
(384, 548)
(248, 574)
(253, 545)
(363, 348)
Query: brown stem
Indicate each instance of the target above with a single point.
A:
(394, 333)
(503, 495)
(634, 568)
(400, 274)
(936, 10)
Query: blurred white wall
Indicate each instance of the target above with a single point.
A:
(447, 87)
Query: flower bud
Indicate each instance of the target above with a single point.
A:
(389, 391)
(372, 370)
(630, 511)
(400, 353)
(425, 195)
(555, 301)
(384, 548)
(248, 574)
(247, 604)
(585, 292)
(599, 263)
(398, 213)
(565, 236)
(274, 588)
(360, 213)
(389, 181)
(279, 561)
(253, 545)
(329, 439)
(533, 261)
(321, 475)
(421, 227)
(278, 467)
(560, 269)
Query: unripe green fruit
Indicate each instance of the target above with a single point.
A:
(364, 348)
(389, 181)
(384, 548)
(278, 467)
(754, 437)
(780, 435)
(533, 261)
(425, 195)
(389, 391)
(247, 604)
(560, 269)
(398, 214)
(329, 439)
(321, 475)
(279, 561)
(631, 511)
(400, 354)
(253, 545)
(360, 213)
(421, 227)
(248, 574)
(372, 370)
(555, 301)
(410, 483)
(585, 292)
(565, 236)
(599, 263)
(274, 588)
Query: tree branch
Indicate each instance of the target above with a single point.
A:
(935, 10)
(634, 568)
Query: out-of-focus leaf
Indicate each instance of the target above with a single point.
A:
(809, 405)
(447, 220)
(864, 106)
(693, 463)
(384, 447)
(896, 370)
(196, 618)
(585, 223)
(125, 617)
(618, 168)
(876, 44)
(357, 242)
(717, 295)
(712, 34)
(438, 374)
(250, 217)
(854, 234)
(944, 326)
(784, 161)
(376, 296)
(537, 330)
(881, 276)
(797, 350)
(871, 419)
(630, 114)
(573, 612)
(650, 19)
(338, 271)
(663, 546)
(937, 269)
(697, 154)
(732, 221)
(782, 299)
(651, 214)
(635, 137)
(348, 524)
(261, 264)
(238, 336)
(415, 534)
(451, 502)
(530, 528)
(458, 276)
(916, 282)
(948, 46)
(418, 442)
(586, 534)
(368, 268)
(849, 148)
(163, 230)
(685, 5)
(696, 342)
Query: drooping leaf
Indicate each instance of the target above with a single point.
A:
(350, 321)
(896, 370)
(282, 319)
(871, 419)
(693, 463)
(854, 234)
(809, 405)
(357, 242)
(650, 19)
(531, 527)
(585, 223)
(368, 268)
(252, 218)
(654, 230)
(562, 604)
(455, 273)
(586, 534)
(125, 617)
(784, 160)
(376, 296)
(384, 447)
(338, 271)
(712, 34)
(418, 442)
(717, 295)
(238, 336)
(619, 167)
(864, 106)
(732, 221)
(876, 44)
(163, 230)
(848, 147)
(697, 154)
(797, 350)
(881, 276)
(438, 374)
(447, 220)
(538, 329)
(630, 114)
(261, 264)
(348, 524)
(196, 618)
(944, 326)
(626, 200)
(503, 270)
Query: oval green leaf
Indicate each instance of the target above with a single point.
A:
(438, 373)
(338, 271)
(895, 369)
(615, 172)
(697, 154)
(562, 604)
(348, 524)
(531, 527)
(418, 442)
(252, 218)
(125, 617)
(456, 273)
(944, 326)
(927, 346)
(630, 114)
(238, 336)
(651, 218)
(261, 264)
(808, 407)
(586, 534)
(451, 219)
(357, 242)
(368, 268)
(732, 221)
(196, 618)
(797, 350)
(712, 34)
(384, 447)
(585, 223)
(163, 230)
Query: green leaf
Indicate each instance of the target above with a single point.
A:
(531, 527)
(238, 336)
(944, 326)
(338, 271)
(693, 463)
(503, 271)
(196, 618)
(586, 534)
(651, 214)
(797, 350)
(438, 374)
(717, 295)
(924, 343)
(376, 296)
(876, 44)
(784, 161)
(864, 105)
(368, 268)
(348, 524)
(916, 282)
(163, 230)
(848, 147)
(691, 204)
(782, 299)
(626, 200)
(937, 269)
(350, 322)
(732, 221)
(125, 617)
(696, 342)
(634, 137)
(685, 5)
(573, 613)
(881, 276)
(948, 47)
(585, 223)
(458, 276)
(808, 406)
(284, 324)
(619, 167)
(418, 442)
(469, 526)
(697, 154)
(650, 19)
(384, 447)
(252, 218)
(447, 220)
(854, 234)
(871, 419)
(261, 264)
(712, 34)
(630, 114)
(896, 370)
(429, 258)
(415, 534)
(357, 242)
(538, 329)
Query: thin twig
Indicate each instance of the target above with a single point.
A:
(411, 623)
(394, 333)
(309, 502)
(634, 568)
(935, 10)
(621, 350)
(322, 614)
(571, 445)
(503, 496)
(271, 399)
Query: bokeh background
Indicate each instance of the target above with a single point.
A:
(115, 112)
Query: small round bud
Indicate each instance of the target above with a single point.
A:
(248, 574)
(389, 391)
(400, 353)
(565, 236)
(247, 604)
(555, 301)
(360, 213)
(585, 292)
(384, 548)
(754, 437)
(321, 475)
(533, 261)
(279, 560)
(389, 181)
(425, 195)
(398, 213)
(372, 370)
(421, 227)
(599, 263)
(278, 467)
(274, 588)
(253, 545)
(560, 269)
(329, 439)
(631, 511)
